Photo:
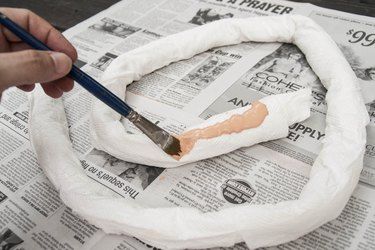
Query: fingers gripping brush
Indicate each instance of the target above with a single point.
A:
(168, 143)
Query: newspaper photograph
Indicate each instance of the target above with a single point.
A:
(103, 62)
(8, 239)
(32, 216)
(140, 176)
(204, 16)
(113, 27)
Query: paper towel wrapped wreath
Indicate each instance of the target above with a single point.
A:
(333, 177)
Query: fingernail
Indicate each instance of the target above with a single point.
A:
(62, 62)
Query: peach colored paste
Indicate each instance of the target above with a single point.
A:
(252, 118)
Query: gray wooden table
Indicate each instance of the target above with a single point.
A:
(63, 14)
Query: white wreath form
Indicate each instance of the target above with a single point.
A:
(333, 176)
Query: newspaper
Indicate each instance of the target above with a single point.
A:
(182, 94)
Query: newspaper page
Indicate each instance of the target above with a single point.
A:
(175, 97)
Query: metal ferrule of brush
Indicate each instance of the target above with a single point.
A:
(159, 136)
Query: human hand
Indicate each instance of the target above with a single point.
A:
(22, 66)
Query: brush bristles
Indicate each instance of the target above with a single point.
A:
(173, 147)
(159, 136)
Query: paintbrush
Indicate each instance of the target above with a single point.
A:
(168, 143)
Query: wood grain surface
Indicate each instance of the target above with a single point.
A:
(63, 14)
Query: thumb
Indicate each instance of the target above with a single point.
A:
(32, 66)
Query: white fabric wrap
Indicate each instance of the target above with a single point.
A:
(333, 177)
(108, 133)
